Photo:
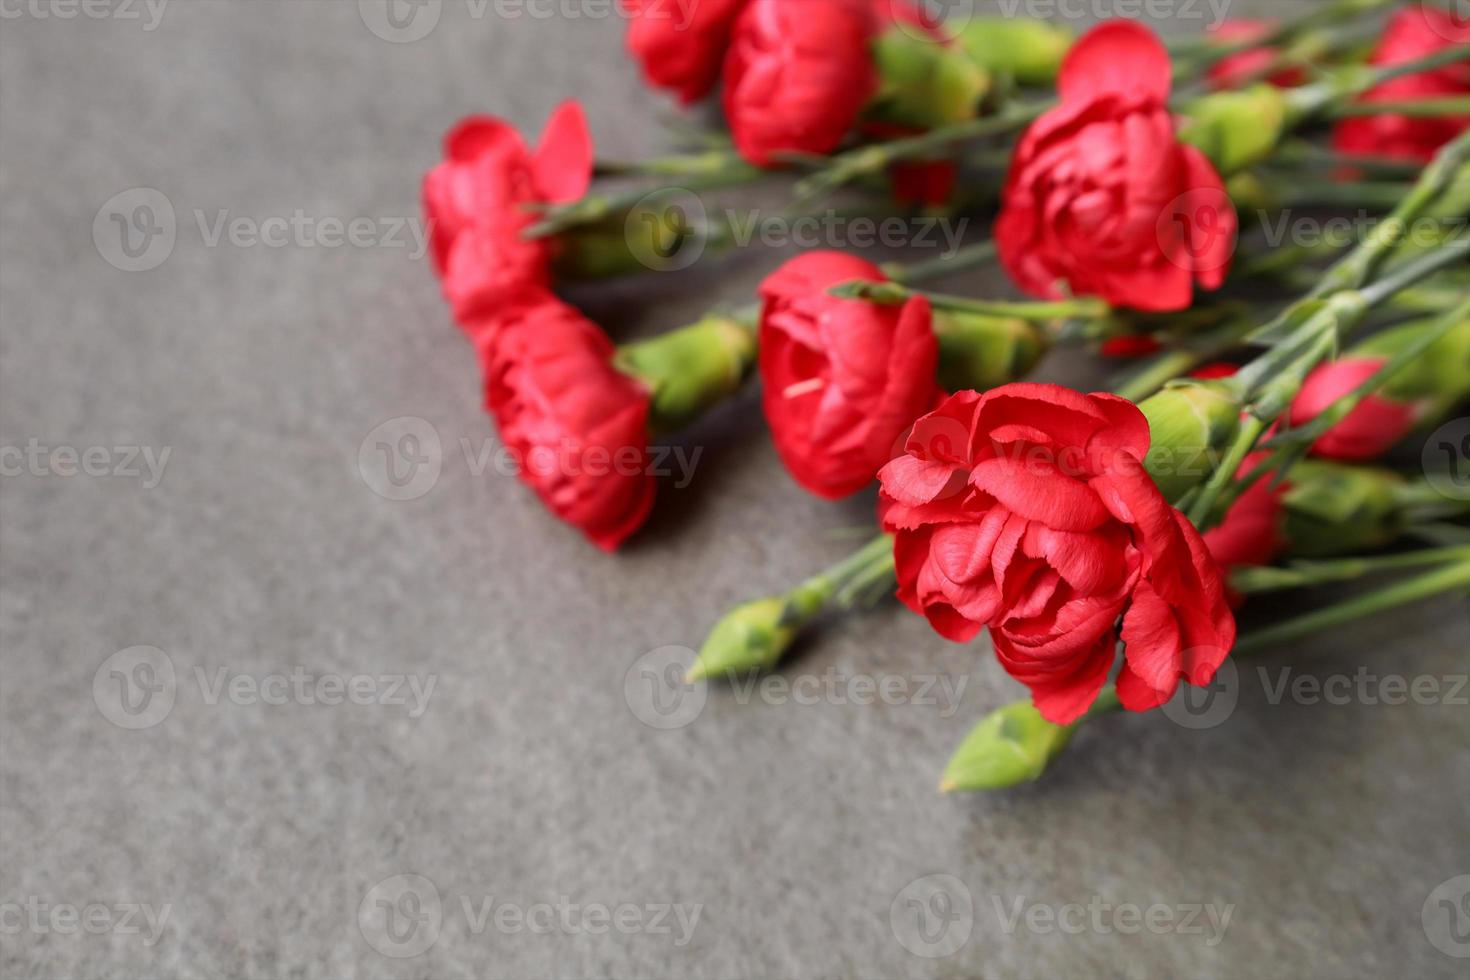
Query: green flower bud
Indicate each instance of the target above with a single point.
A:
(1236, 129)
(756, 634)
(1030, 51)
(1012, 745)
(689, 370)
(1340, 509)
(1191, 424)
(925, 84)
(981, 352)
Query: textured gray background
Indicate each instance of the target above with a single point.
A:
(529, 778)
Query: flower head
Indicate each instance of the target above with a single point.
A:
(1368, 431)
(797, 75)
(1102, 199)
(681, 44)
(1028, 510)
(1237, 70)
(479, 200)
(843, 378)
(576, 427)
(1412, 33)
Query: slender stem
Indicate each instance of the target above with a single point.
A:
(1256, 580)
(894, 293)
(1452, 577)
(1409, 274)
(966, 258)
(1450, 55)
(1454, 105)
(1250, 432)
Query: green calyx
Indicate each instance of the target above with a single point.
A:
(1012, 745)
(1191, 426)
(1237, 129)
(755, 635)
(1030, 51)
(923, 83)
(980, 352)
(689, 370)
(1338, 509)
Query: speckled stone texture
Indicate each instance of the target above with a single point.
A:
(267, 829)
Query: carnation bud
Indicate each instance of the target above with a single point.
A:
(1012, 745)
(756, 634)
(1191, 425)
(689, 370)
(924, 83)
(1341, 509)
(1236, 129)
(979, 352)
(1030, 51)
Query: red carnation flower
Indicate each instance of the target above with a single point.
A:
(576, 427)
(797, 75)
(1238, 70)
(478, 203)
(842, 378)
(1101, 195)
(1412, 33)
(1027, 510)
(681, 43)
(1367, 432)
(1250, 533)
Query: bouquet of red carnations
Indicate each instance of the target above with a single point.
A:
(1136, 190)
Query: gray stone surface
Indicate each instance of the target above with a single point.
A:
(796, 827)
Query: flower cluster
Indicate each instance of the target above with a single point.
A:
(1101, 542)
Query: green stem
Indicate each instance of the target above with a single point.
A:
(968, 257)
(894, 293)
(847, 167)
(1449, 578)
(1455, 105)
(1449, 254)
(1203, 507)
(1257, 580)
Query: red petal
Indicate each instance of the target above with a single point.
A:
(563, 160)
(1119, 56)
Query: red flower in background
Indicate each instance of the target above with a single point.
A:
(1250, 533)
(1412, 33)
(681, 44)
(842, 378)
(1101, 195)
(478, 200)
(576, 427)
(1239, 70)
(797, 75)
(1367, 432)
(1027, 510)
